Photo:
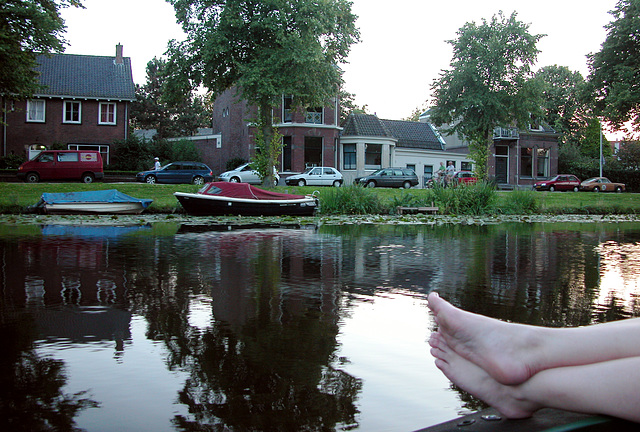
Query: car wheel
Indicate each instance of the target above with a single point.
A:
(234, 180)
(371, 184)
(406, 185)
(198, 180)
(552, 189)
(301, 182)
(596, 189)
(337, 183)
(150, 179)
(575, 189)
(618, 189)
(32, 178)
(275, 182)
(87, 178)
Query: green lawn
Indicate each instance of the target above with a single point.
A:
(16, 197)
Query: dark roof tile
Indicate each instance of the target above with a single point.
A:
(407, 133)
(83, 76)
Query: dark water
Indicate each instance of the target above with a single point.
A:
(166, 327)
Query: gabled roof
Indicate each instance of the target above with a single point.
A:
(84, 76)
(407, 134)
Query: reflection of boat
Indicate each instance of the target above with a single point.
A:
(103, 201)
(92, 231)
(242, 199)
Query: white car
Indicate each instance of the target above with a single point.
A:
(246, 174)
(316, 176)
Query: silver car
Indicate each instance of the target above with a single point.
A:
(246, 174)
(316, 176)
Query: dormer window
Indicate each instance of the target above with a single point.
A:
(314, 115)
(72, 112)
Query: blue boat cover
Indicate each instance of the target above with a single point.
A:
(109, 196)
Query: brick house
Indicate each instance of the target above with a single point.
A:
(83, 103)
(310, 136)
(518, 157)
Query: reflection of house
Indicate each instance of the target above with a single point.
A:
(369, 143)
(310, 136)
(517, 157)
(83, 104)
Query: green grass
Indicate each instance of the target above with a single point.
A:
(16, 197)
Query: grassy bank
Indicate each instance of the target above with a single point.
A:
(480, 200)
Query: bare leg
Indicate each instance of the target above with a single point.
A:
(512, 353)
(609, 387)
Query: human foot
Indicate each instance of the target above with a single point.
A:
(473, 379)
(506, 351)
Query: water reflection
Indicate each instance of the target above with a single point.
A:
(285, 329)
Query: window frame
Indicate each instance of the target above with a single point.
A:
(114, 121)
(30, 110)
(64, 112)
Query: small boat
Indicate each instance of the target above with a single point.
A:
(91, 202)
(242, 199)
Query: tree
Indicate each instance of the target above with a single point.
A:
(565, 102)
(629, 155)
(265, 48)
(171, 114)
(348, 106)
(615, 69)
(28, 28)
(489, 83)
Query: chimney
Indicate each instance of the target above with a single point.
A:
(119, 59)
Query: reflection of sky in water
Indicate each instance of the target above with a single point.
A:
(200, 312)
(619, 272)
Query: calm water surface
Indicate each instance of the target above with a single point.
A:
(169, 327)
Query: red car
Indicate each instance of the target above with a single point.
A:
(465, 177)
(561, 182)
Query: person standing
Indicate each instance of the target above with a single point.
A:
(156, 165)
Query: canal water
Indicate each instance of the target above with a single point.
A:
(170, 327)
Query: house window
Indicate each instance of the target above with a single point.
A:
(314, 115)
(543, 162)
(526, 162)
(71, 112)
(465, 166)
(35, 110)
(287, 154)
(349, 156)
(428, 172)
(107, 113)
(287, 109)
(373, 156)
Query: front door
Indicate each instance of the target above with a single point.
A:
(502, 164)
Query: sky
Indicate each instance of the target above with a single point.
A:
(403, 44)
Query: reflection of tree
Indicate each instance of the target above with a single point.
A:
(31, 397)
(268, 369)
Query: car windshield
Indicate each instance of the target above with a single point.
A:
(307, 171)
(591, 180)
(377, 172)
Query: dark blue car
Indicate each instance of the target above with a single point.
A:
(178, 172)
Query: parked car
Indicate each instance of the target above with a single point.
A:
(178, 172)
(390, 177)
(316, 176)
(601, 184)
(246, 174)
(465, 177)
(83, 165)
(561, 182)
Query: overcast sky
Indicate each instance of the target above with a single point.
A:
(403, 46)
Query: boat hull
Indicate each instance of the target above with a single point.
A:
(204, 205)
(94, 208)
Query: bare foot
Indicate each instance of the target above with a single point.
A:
(506, 351)
(473, 379)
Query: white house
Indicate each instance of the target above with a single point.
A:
(368, 143)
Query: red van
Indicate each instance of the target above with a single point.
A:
(83, 165)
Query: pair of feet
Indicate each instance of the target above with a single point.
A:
(484, 356)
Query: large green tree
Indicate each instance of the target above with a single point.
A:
(28, 28)
(171, 114)
(265, 48)
(615, 69)
(489, 83)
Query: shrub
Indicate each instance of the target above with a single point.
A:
(11, 161)
(520, 202)
(350, 200)
(465, 199)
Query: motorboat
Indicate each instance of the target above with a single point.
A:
(243, 199)
(109, 201)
